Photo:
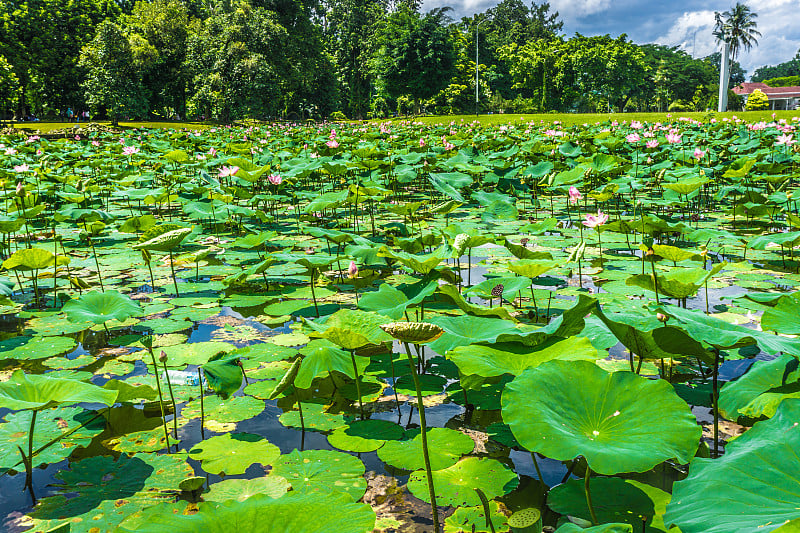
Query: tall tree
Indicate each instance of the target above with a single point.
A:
(736, 29)
(113, 80)
(9, 87)
(416, 56)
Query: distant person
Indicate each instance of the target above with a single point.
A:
(69, 114)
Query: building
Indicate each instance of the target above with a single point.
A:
(779, 97)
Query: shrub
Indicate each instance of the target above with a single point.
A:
(757, 101)
(338, 116)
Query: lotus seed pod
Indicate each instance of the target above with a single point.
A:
(497, 290)
(163, 356)
(413, 332)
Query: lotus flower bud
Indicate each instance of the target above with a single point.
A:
(163, 356)
(352, 270)
(662, 317)
(20, 189)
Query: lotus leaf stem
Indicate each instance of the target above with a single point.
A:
(174, 279)
(160, 398)
(202, 406)
(358, 383)
(538, 471)
(174, 405)
(423, 431)
(589, 495)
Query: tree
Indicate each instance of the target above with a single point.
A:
(737, 73)
(113, 80)
(416, 56)
(757, 101)
(9, 87)
(781, 70)
(736, 31)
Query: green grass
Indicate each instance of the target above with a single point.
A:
(47, 127)
(568, 119)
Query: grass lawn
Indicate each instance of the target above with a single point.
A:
(568, 119)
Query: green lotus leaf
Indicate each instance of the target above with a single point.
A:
(322, 472)
(761, 389)
(422, 264)
(513, 358)
(474, 519)
(392, 302)
(456, 484)
(677, 283)
(100, 491)
(320, 357)
(619, 422)
(128, 392)
(233, 453)
(298, 513)
(27, 348)
(162, 242)
(365, 435)
(351, 329)
(451, 291)
(429, 384)
(50, 424)
(782, 318)
(511, 286)
(752, 487)
(234, 409)
(33, 259)
(445, 447)
(413, 332)
(224, 374)
(195, 353)
(466, 330)
(530, 268)
(315, 418)
(100, 307)
(31, 391)
(614, 500)
(241, 489)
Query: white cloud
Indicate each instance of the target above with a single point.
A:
(575, 9)
(777, 22)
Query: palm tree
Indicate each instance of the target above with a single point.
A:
(736, 30)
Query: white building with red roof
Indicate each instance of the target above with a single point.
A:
(779, 97)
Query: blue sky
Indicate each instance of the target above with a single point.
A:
(673, 22)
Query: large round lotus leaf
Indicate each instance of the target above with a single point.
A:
(50, 424)
(53, 323)
(195, 353)
(365, 435)
(63, 363)
(100, 492)
(231, 410)
(513, 358)
(456, 484)
(32, 259)
(298, 513)
(100, 307)
(753, 487)
(265, 352)
(614, 500)
(241, 489)
(233, 453)
(783, 317)
(314, 418)
(223, 374)
(27, 348)
(465, 330)
(320, 357)
(474, 519)
(429, 384)
(445, 447)
(31, 391)
(320, 472)
(619, 422)
(352, 329)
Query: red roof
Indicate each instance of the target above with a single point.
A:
(774, 92)
(748, 87)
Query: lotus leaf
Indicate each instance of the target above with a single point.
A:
(320, 472)
(233, 453)
(619, 422)
(100, 307)
(365, 435)
(31, 391)
(445, 447)
(456, 484)
(242, 489)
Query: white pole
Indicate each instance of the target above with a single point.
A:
(724, 77)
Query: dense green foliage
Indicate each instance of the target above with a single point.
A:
(299, 59)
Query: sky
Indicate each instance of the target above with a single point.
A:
(684, 23)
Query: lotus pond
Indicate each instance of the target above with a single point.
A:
(315, 328)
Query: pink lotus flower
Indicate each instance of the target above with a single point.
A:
(332, 144)
(698, 153)
(421, 142)
(574, 195)
(77, 137)
(673, 138)
(95, 143)
(212, 152)
(130, 150)
(275, 179)
(652, 144)
(633, 138)
(785, 140)
(352, 270)
(593, 221)
(21, 168)
(225, 172)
